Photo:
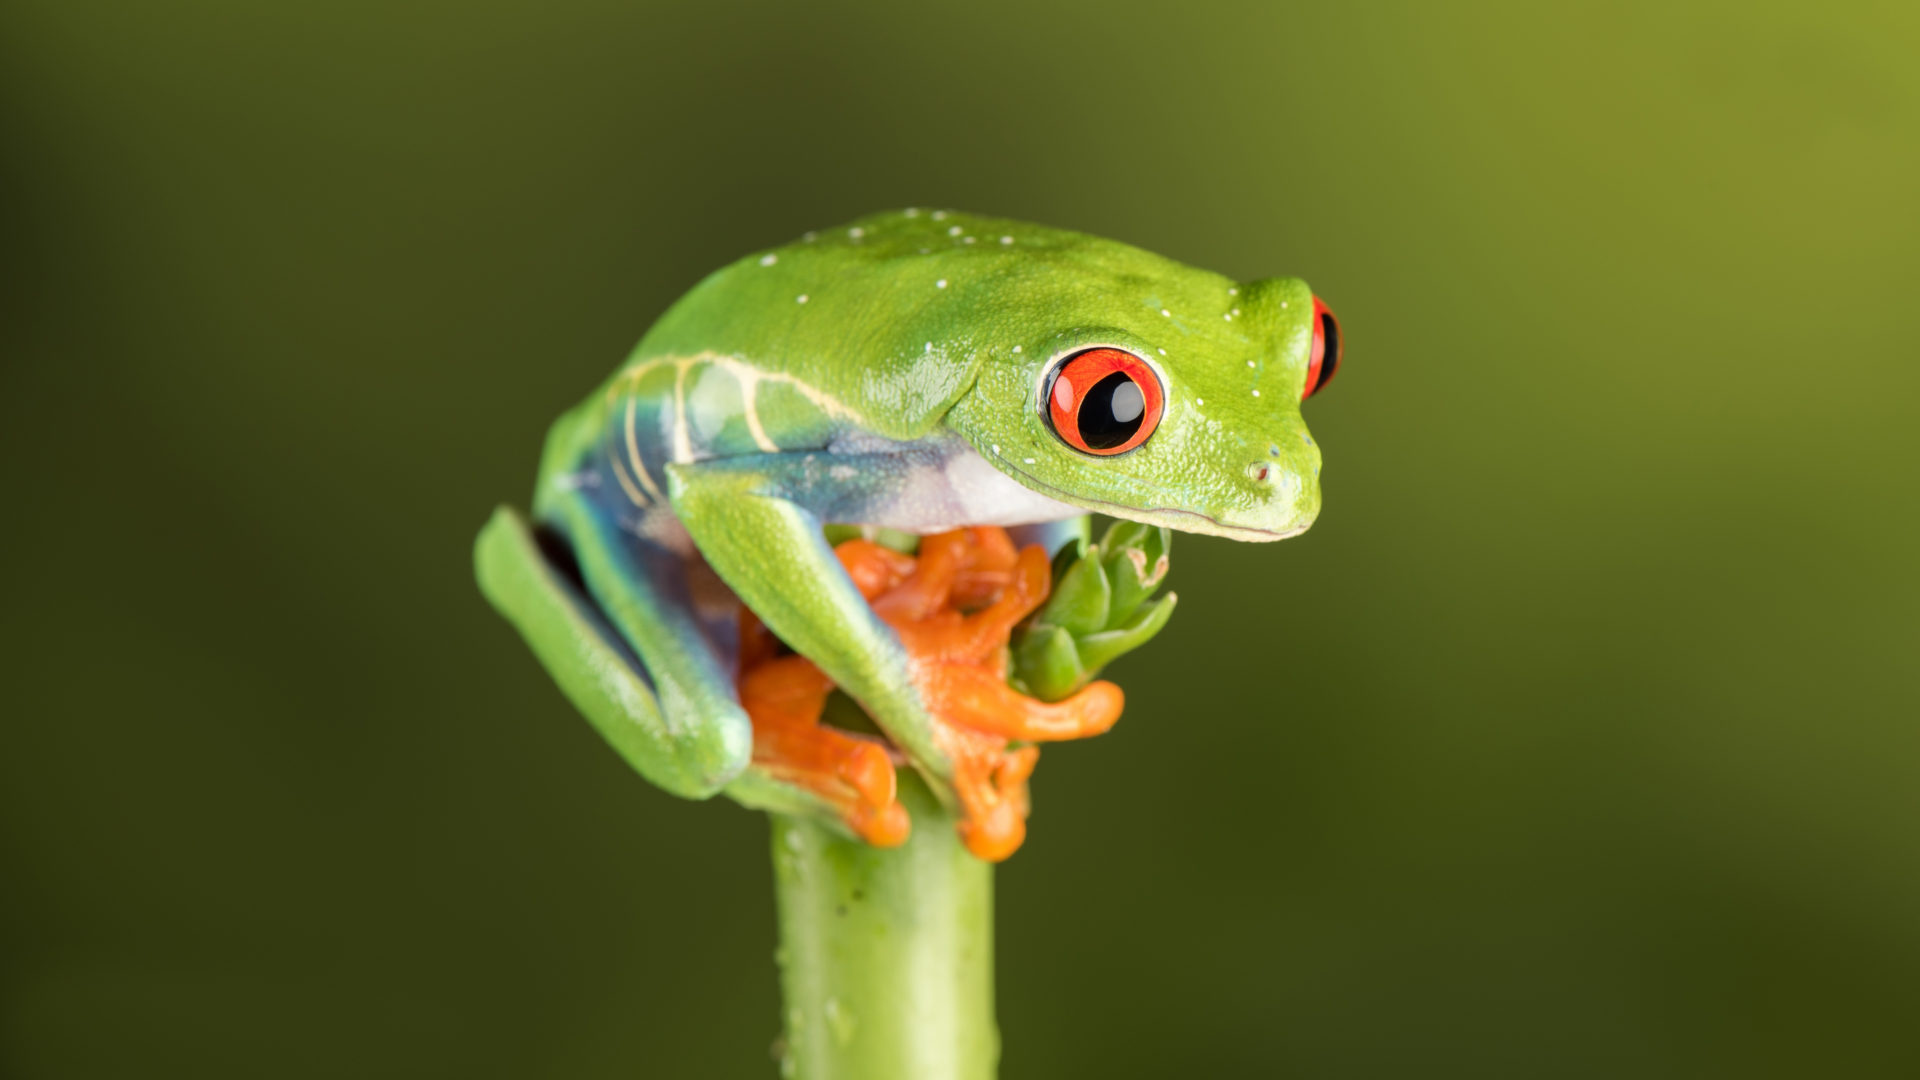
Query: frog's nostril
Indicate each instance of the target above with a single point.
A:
(1259, 471)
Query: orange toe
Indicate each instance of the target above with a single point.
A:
(884, 826)
(867, 769)
(974, 698)
(996, 833)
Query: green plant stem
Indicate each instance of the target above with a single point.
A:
(886, 956)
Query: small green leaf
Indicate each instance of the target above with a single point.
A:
(1096, 651)
(1080, 597)
(1070, 552)
(840, 534)
(1048, 664)
(1136, 562)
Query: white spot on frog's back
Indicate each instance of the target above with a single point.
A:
(769, 259)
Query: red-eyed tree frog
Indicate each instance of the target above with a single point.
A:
(913, 370)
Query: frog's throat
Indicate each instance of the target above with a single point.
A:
(1189, 521)
(948, 485)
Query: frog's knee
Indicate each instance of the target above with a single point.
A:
(711, 743)
(691, 756)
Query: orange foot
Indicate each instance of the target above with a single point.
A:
(784, 697)
(954, 608)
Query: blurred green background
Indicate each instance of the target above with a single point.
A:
(1579, 738)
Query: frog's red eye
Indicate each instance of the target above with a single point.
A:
(1324, 360)
(1104, 401)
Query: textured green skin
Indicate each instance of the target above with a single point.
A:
(919, 329)
(904, 355)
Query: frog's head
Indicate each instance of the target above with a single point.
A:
(1177, 405)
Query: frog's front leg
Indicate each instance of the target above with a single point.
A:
(758, 522)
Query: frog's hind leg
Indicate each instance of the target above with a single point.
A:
(631, 651)
(645, 640)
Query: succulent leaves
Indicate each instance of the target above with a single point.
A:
(1101, 607)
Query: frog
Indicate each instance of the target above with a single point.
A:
(909, 373)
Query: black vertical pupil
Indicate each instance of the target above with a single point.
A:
(1111, 412)
(1330, 355)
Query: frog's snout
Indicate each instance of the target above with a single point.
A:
(1282, 488)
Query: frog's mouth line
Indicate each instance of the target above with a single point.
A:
(1183, 520)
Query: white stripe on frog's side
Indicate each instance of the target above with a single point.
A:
(637, 480)
(639, 466)
(682, 446)
(626, 482)
(750, 394)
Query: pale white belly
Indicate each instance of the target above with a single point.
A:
(953, 486)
